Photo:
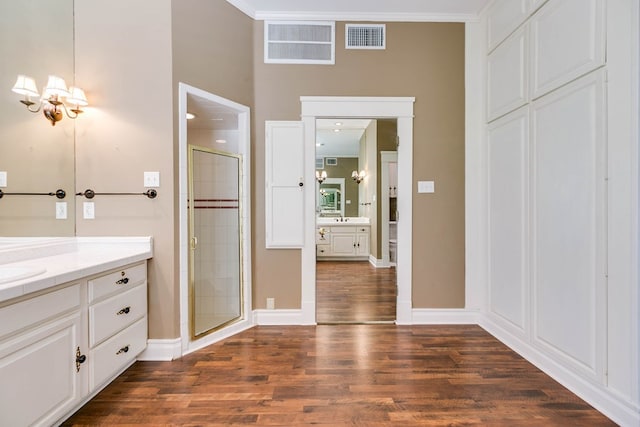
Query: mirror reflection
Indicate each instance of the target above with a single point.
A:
(35, 156)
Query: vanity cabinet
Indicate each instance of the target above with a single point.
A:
(58, 347)
(39, 338)
(343, 241)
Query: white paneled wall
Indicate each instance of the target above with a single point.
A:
(567, 41)
(568, 201)
(507, 68)
(560, 143)
(508, 146)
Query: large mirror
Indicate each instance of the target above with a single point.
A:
(37, 40)
(338, 146)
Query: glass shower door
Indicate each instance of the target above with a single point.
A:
(215, 237)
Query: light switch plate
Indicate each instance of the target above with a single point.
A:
(88, 210)
(426, 187)
(61, 210)
(3, 179)
(151, 179)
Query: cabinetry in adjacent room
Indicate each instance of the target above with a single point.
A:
(343, 241)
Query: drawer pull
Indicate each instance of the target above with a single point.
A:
(123, 281)
(80, 359)
(125, 310)
(123, 349)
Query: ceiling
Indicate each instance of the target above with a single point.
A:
(210, 115)
(364, 10)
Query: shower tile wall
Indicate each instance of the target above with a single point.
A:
(217, 258)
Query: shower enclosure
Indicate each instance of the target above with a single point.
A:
(215, 231)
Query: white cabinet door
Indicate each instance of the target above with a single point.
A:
(508, 146)
(503, 17)
(362, 244)
(40, 383)
(567, 41)
(343, 244)
(284, 198)
(507, 75)
(569, 221)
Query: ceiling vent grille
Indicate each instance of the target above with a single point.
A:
(299, 42)
(365, 36)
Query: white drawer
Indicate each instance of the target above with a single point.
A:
(111, 315)
(363, 229)
(32, 311)
(111, 356)
(342, 229)
(323, 250)
(117, 281)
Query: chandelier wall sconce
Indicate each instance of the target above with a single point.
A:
(55, 98)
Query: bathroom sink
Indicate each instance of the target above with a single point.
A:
(11, 274)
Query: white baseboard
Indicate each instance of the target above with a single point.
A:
(377, 263)
(596, 395)
(162, 350)
(278, 317)
(434, 316)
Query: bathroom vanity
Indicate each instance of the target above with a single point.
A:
(73, 316)
(342, 238)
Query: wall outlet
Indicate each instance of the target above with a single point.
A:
(152, 179)
(88, 210)
(61, 210)
(271, 303)
(3, 179)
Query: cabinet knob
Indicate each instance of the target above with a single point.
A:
(123, 281)
(123, 349)
(80, 359)
(125, 310)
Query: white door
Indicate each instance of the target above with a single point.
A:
(284, 170)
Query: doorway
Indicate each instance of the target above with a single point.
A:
(220, 130)
(354, 281)
(400, 109)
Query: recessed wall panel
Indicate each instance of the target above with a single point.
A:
(567, 41)
(503, 17)
(507, 76)
(568, 219)
(507, 146)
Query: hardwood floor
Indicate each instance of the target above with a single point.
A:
(354, 292)
(339, 375)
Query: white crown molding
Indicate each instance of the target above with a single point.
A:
(357, 16)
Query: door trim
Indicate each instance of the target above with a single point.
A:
(244, 149)
(401, 109)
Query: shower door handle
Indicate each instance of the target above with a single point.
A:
(194, 243)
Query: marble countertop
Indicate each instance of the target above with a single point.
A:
(61, 260)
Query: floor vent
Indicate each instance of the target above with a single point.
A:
(299, 42)
(365, 36)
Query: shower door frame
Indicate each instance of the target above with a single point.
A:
(193, 242)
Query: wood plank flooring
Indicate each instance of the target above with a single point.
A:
(354, 292)
(342, 375)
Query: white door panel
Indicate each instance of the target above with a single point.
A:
(568, 219)
(284, 198)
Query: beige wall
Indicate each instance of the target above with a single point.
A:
(123, 59)
(425, 60)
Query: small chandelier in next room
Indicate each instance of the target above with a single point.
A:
(55, 98)
(358, 177)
